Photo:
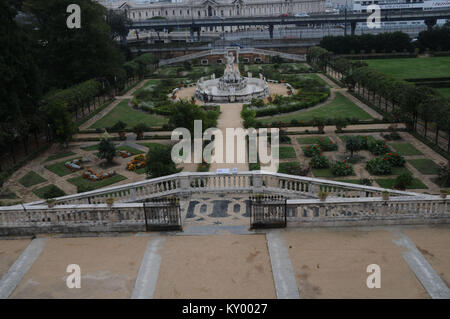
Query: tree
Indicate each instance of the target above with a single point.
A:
(159, 162)
(119, 23)
(184, 113)
(60, 121)
(140, 129)
(69, 56)
(107, 150)
(353, 144)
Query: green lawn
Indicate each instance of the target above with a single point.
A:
(80, 181)
(8, 194)
(405, 149)
(122, 112)
(413, 67)
(400, 170)
(283, 167)
(59, 168)
(389, 183)
(312, 139)
(445, 92)
(133, 150)
(59, 155)
(287, 152)
(322, 172)
(90, 147)
(31, 178)
(425, 166)
(350, 181)
(41, 192)
(151, 82)
(151, 145)
(340, 106)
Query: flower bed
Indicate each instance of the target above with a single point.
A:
(124, 153)
(139, 161)
(76, 164)
(342, 169)
(93, 176)
(312, 150)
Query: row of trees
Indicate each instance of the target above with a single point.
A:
(368, 43)
(436, 39)
(52, 74)
(403, 100)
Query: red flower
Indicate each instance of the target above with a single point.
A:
(346, 166)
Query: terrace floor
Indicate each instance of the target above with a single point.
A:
(232, 262)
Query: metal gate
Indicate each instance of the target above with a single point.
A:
(162, 214)
(268, 211)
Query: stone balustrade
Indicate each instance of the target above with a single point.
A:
(186, 183)
(72, 218)
(337, 211)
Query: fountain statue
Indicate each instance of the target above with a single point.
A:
(231, 87)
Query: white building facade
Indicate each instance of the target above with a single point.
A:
(197, 9)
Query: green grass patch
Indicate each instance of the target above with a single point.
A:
(151, 82)
(131, 117)
(287, 152)
(339, 107)
(312, 139)
(59, 168)
(133, 150)
(283, 167)
(389, 183)
(400, 170)
(8, 194)
(445, 92)
(150, 145)
(350, 181)
(82, 182)
(141, 170)
(411, 68)
(55, 190)
(425, 166)
(405, 149)
(31, 178)
(322, 172)
(90, 148)
(59, 155)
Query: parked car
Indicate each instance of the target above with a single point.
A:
(302, 14)
(283, 15)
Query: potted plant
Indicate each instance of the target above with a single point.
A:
(323, 195)
(51, 202)
(110, 201)
(385, 195)
(444, 193)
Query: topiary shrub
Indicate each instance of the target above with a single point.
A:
(320, 161)
(379, 166)
(342, 169)
(53, 192)
(395, 159)
(312, 150)
(377, 147)
(402, 181)
(326, 145)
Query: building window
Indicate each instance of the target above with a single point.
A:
(199, 14)
(204, 61)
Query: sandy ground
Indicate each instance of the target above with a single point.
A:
(109, 268)
(221, 266)
(332, 264)
(10, 250)
(434, 244)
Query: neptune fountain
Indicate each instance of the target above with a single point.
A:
(231, 87)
